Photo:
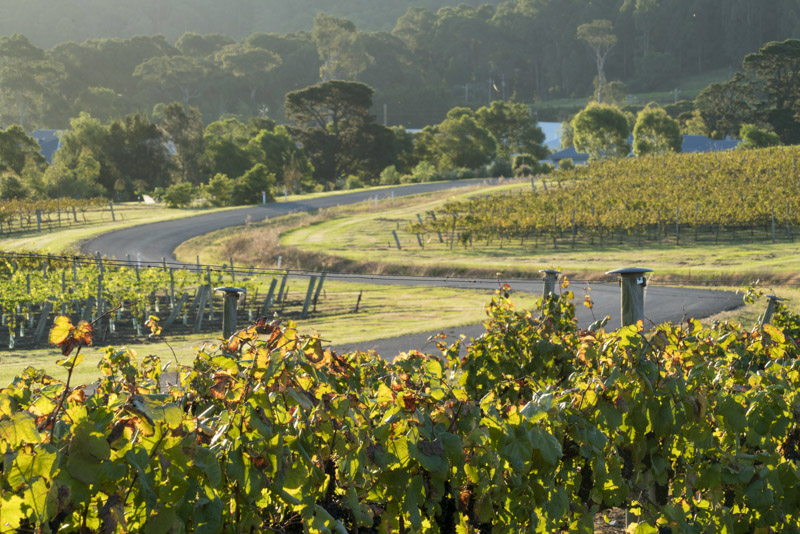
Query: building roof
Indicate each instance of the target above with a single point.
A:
(571, 153)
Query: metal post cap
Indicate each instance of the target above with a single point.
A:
(227, 289)
(629, 271)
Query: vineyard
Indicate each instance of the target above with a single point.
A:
(737, 196)
(47, 214)
(537, 427)
(119, 296)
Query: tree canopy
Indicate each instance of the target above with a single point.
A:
(601, 131)
(655, 132)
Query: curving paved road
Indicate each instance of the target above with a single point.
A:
(152, 242)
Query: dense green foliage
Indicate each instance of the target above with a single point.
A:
(334, 136)
(601, 131)
(536, 428)
(27, 283)
(766, 93)
(655, 132)
(424, 59)
(644, 198)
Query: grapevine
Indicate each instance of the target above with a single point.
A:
(535, 427)
(740, 194)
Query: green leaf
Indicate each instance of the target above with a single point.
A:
(139, 460)
(11, 514)
(733, 414)
(517, 448)
(547, 445)
(162, 522)
(71, 362)
(300, 399)
(157, 409)
(41, 499)
(359, 509)
(384, 394)
(415, 498)
(21, 428)
(207, 462)
(82, 463)
(224, 362)
(27, 466)
(207, 517)
(453, 448)
(434, 367)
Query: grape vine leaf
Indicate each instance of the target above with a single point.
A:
(21, 428)
(66, 336)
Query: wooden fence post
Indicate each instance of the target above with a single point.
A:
(309, 293)
(396, 240)
(319, 287)
(268, 302)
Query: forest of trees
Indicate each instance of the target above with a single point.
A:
(234, 114)
(421, 58)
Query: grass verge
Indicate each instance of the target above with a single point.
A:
(68, 238)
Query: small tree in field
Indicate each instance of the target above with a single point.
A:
(179, 195)
(248, 188)
(656, 132)
(219, 190)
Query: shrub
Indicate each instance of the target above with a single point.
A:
(353, 182)
(425, 172)
(500, 167)
(390, 176)
(544, 168)
(248, 188)
(754, 137)
(523, 171)
(219, 191)
(524, 159)
(461, 174)
(566, 164)
(179, 195)
(11, 187)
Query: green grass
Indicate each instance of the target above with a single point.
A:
(367, 237)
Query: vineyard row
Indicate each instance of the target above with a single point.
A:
(119, 297)
(734, 196)
(536, 426)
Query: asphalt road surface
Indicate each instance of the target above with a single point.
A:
(149, 243)
(662, 304)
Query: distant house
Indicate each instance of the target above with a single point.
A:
(49, 141)
(691, 144)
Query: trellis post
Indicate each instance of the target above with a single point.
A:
(632, 283)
